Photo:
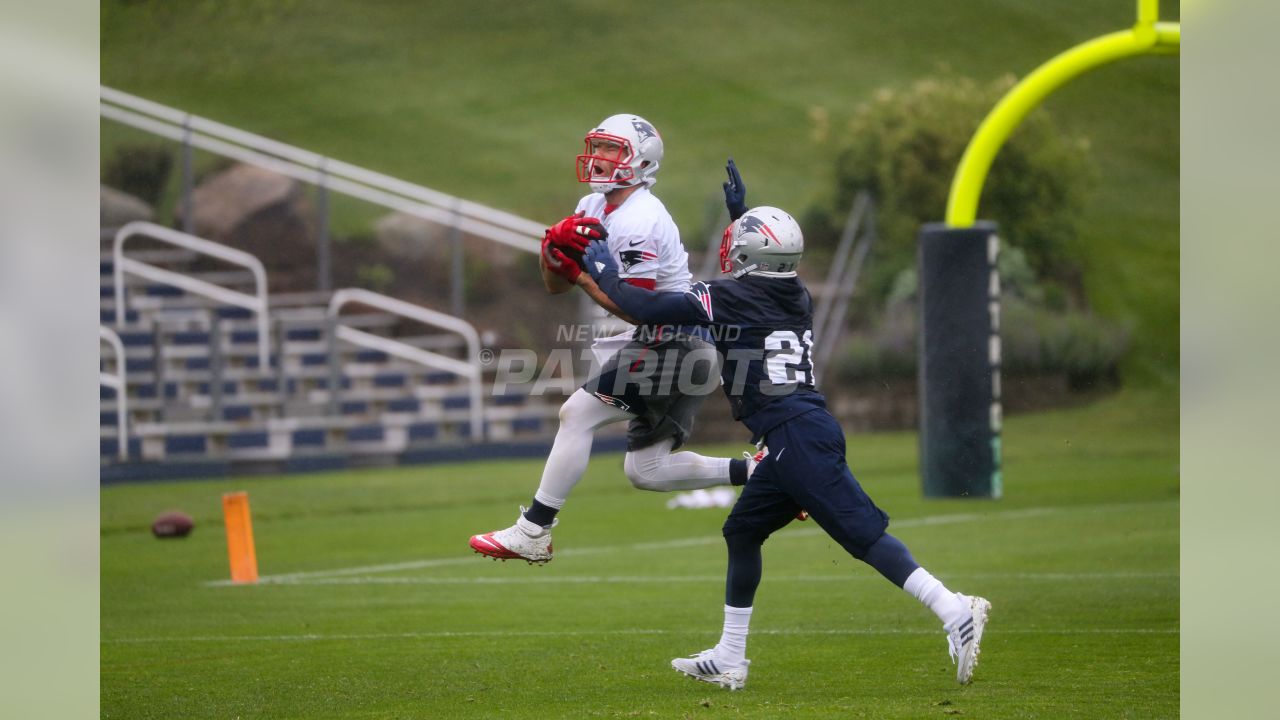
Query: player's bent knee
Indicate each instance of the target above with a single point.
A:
(567, 411)
(642, 474)
(741, 534)
(577, 409)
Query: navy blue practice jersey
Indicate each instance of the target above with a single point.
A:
(763, 329)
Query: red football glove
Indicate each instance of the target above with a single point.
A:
(559, 263)
(576, 232)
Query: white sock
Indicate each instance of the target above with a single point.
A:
(731, 651)
(656, 468)
(547, 500)
(530, 528)
(930, 591)
(580, 415)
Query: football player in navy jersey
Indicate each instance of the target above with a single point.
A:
(762, 323)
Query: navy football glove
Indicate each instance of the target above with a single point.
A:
(735, 192)
(599, 260)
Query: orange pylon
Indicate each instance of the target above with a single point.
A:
(244, 561)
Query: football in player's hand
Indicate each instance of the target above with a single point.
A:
(576, 255)
(172, 524)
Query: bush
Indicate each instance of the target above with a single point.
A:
(1034, 341)
(888, 350)
(1084, 347)
(904, 147)
(142, 170)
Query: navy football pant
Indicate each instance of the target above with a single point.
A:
(805, 469)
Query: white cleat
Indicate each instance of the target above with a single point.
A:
(964, 640)
(703, 667)
(522, 541)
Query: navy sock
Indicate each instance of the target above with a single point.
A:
(540, 514)
(745, 567)
(738, 472)
(891, 559)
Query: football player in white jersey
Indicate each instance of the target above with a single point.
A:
(620, 162)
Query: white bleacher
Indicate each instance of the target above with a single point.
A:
(196, 388)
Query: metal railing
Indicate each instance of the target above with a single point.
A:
(470, 369)
(117, 382)
(389, 192)
(256, 303)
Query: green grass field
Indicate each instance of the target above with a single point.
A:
(376, 608)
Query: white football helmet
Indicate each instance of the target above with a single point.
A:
(636, 160)
(764, 241)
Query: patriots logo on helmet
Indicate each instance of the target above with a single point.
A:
(643, 129)
(631, 258)
(751, 223)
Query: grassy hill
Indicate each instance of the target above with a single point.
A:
(490, 100)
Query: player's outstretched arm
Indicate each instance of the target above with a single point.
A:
(644, 306)
(594, 292)
(558, 268)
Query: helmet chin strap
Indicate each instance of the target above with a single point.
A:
(604, 187)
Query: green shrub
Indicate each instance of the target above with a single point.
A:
(904, 146)
(1034, 341)
(142, 170)
(888, 350)
(1082, 346)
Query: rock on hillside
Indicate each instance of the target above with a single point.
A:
(262, 213)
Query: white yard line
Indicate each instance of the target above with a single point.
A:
(790, 532)
(445, 634)
(668, 579)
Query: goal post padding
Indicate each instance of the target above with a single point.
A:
(959, 369)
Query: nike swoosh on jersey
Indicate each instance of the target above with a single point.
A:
(634, 243)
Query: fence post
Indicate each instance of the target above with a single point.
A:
(188, 178)
(281, 388)
(158, 371)
(324, 280)
(335, 371)
(215, 366)
(457, 297)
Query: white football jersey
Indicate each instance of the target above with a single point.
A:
(644, 239)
